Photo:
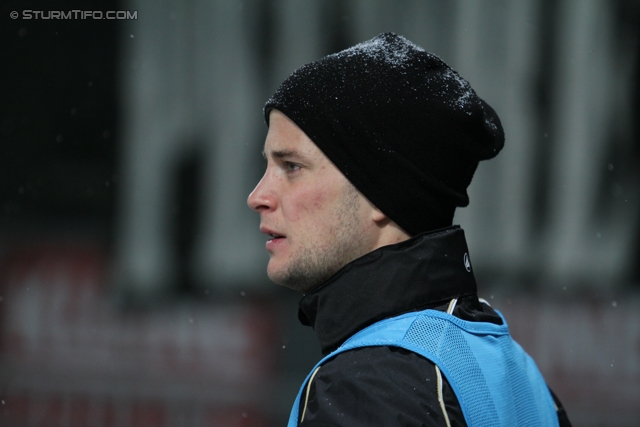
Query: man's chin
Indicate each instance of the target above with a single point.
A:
(282, 280)
(285, 278)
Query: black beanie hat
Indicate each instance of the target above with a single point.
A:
(398, 122)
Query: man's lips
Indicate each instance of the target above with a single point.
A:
(275, 241)
(273, 234)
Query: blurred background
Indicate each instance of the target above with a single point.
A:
(132, 274)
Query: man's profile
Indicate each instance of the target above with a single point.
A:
(369, 152)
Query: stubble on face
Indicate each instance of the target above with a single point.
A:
(315, 262)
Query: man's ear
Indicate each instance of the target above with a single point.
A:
(378, 216)
(391, 232)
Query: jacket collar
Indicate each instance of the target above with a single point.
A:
(422, 272)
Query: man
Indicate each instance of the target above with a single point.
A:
(369, 152)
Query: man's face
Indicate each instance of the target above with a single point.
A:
(316, 220)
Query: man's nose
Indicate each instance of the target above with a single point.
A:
(262, 198)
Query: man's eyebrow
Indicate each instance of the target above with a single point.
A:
(280, 154)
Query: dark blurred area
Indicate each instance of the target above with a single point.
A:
(59, 120)
(133, 289)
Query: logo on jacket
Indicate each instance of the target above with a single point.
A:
(467, 263)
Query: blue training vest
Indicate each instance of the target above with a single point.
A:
(495, 381)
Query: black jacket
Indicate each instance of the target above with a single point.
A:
(389, 386)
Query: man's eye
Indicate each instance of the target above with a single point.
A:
(291, 167)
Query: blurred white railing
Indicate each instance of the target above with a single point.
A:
(192, 80)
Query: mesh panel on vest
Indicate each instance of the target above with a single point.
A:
(495, 381)
(446, 341)
(519, 384)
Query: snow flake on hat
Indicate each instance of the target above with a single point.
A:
(464, 90)
(390, 48)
